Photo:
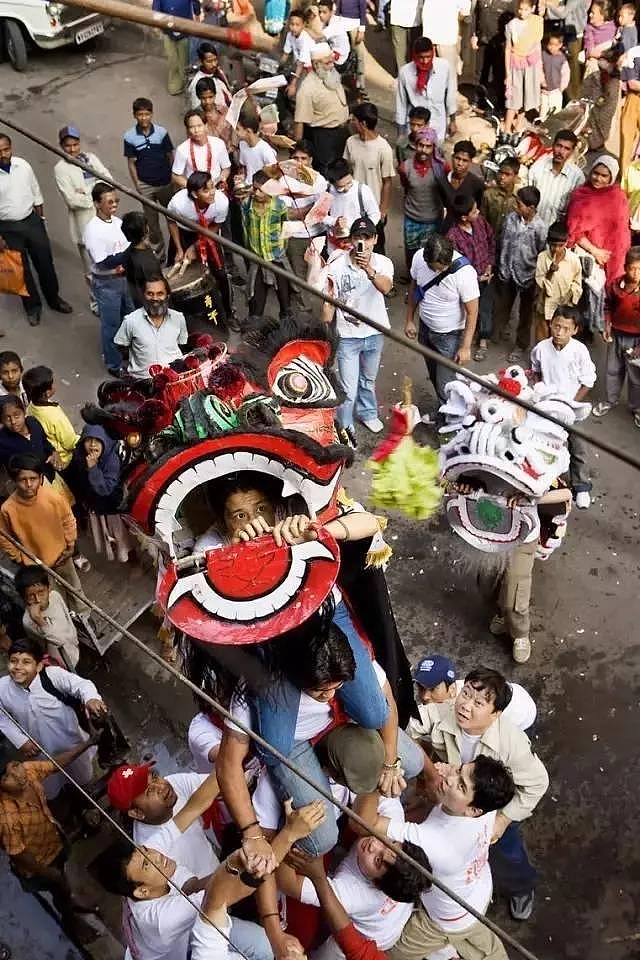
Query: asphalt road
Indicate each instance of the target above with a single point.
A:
(584, 668)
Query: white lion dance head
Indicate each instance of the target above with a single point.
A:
(502, 459)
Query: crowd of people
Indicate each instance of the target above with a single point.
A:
(450, 782)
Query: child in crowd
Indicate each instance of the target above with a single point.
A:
(60, 432)
(523, 62)
(209, 66)
(419, 118)
(558, 278)
(599, 34)
(460, 180)
(46, 616)
(23, 435)
(214, 110)
(500, 199)
(436, 678)
(142, 263)
(555, 74)
(11, 371)
(350, 200)
(263, 218)
(524, 237)
(297, 46)
(94, 477)
(563, 362)
(254, 153)
(474, 239)
(627, 35)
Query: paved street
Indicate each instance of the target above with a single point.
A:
(584, 670)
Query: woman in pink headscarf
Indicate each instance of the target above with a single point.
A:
(598, 218)
(423, 210)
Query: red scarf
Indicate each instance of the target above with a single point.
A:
(422, 75)
(192, 153)
(422, 168)
(207, 248)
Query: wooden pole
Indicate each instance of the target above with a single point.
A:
(249, 38)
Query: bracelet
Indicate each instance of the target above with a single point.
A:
(392, 766)
(234, 871)
(344, 527)
(246, 839)
(274, 913)
(254, 823)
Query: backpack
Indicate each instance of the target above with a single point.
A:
(453, 267)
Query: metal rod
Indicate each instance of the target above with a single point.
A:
(244, 39)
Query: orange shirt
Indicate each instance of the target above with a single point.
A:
(26, 823)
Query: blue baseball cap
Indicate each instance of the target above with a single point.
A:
(69, 132)
(434, 669)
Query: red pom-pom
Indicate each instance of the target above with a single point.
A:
(203, 341)
(226, 381)
(510, 386)
(191, 362)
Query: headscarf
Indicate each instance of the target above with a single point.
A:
(427, 135)
(610, 163)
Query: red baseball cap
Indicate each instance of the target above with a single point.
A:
(126, 783)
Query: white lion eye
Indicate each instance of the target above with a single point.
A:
(305, 382)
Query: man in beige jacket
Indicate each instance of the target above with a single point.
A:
(76, 185)
(472, 726)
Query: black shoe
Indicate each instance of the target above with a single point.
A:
(62, 306)
(34, 318)
(347, 436)
(116, 372)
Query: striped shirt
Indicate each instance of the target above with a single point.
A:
(555, 188)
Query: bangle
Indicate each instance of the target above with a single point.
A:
(274, 913)
(254, 823)
(344, 527)
(246, 839)
(234, 871)
(392, 766)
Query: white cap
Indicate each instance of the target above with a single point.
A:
(320, 51)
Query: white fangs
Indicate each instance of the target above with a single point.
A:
(316, 495)
(207, 596)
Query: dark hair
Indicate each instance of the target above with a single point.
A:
(10, 356)
(422, 45)
(567, 135)
(423, 113)
(197, 181)
(296, 13)
(401, 881)
(326, 3)
(493, 786)
(192, 113)
(259, 178)
(110, 869)
(9, 400)
(510, 163)
(206, 47)
(557, 232)
(632, 256)
(490, 682)
(568, 313)
(438, 249)
(530, 196)
(462, 205)
(205, 83)
(250, 121)
(158, 278)
(100, 189)
(366, 113)
(5, 136)
(36, 381)
(28, 645)
(464, 146)
(553, 35)
(28, 577)
(142, 103)
(338, 169)
(134, 226)
(302, 146)
(326, 658)
(22, 462)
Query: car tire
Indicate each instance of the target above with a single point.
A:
(15, 45)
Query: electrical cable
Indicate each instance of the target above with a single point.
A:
(425, 352)
(224, 712)
(118, 827)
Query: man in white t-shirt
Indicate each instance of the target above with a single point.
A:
(455, 837)
(350, 199)
(108, 249)
(199, 152)
(445, 288)
(254, 152)
(360, 278)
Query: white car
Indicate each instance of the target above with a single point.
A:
(47, 25)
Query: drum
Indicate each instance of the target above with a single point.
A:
(194, 293)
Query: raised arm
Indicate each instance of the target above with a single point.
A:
(198, 803)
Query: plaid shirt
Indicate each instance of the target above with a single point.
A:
(479, 246)
(26, 823)
(263, 228)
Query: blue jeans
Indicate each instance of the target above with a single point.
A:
(358, 359)
(250, 939)
(513, 874)
(485, 311)
(114, 303)
(447, 345)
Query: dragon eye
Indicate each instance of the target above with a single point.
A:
(304, 382)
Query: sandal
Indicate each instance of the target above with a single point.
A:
(480, 354)
(636, 418)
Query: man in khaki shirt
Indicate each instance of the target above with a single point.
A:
(372, 160)
(321, 108)
(470, 726)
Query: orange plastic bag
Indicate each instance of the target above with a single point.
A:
(12, 273)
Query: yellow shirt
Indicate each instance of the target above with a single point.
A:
(318, 106)
(58, 428)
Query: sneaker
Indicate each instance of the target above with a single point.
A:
(347, 436)
(497, 626)
(375, 425)
(521, 652)
(82, 563)
(521, 907)
(601, 408)
(583, 500)
(636, 418)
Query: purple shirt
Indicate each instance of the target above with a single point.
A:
(479, 246)
(353, 10)
(594, 36)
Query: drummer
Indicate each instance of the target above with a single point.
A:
(201, 202)
(200, 152)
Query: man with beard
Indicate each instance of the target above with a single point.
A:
(321, 108)
(153, 334)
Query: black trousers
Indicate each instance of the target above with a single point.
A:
(328, 144)
(30, 237)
